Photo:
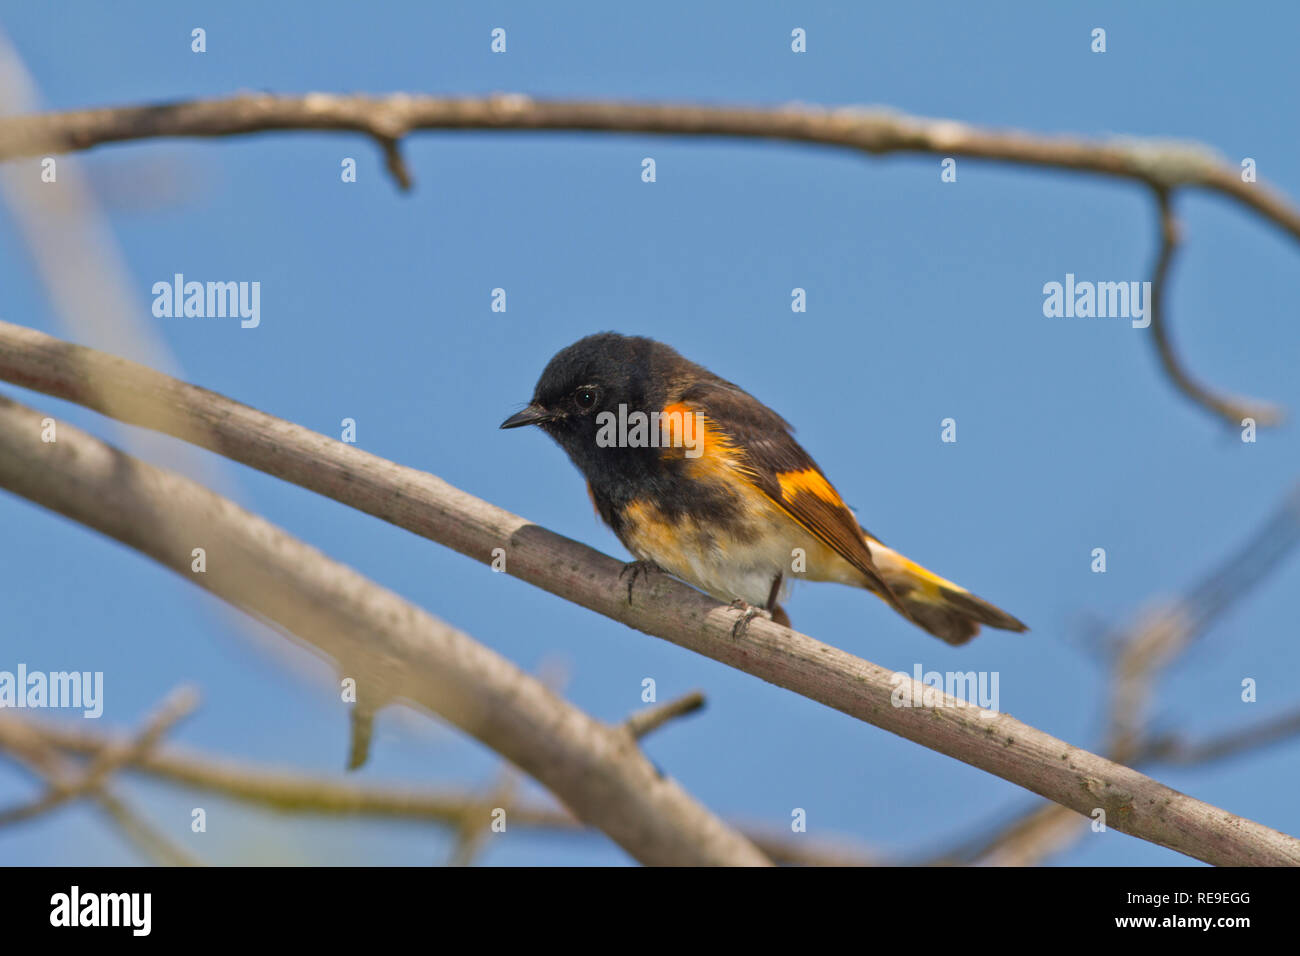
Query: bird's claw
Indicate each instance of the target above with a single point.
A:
(635, 569)
(741, 627)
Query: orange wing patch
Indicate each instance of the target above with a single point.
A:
(803, 494)
(688, 433)
(810, 480)
(810, 499)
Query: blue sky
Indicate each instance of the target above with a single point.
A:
(924, 302)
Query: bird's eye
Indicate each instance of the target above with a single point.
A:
(586, 396)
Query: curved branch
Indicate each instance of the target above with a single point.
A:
(1232, 409)
(664, 607)
(1161, 164)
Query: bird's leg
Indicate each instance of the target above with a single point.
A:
(778, 613)
(741, 627)
(636, 569)
(776, 590)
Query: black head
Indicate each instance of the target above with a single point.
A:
(598, 374)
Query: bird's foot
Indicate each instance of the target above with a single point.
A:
(741, 627)
(636, 569)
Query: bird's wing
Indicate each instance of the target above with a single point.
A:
(766, 455)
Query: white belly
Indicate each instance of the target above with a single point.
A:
(744, 566)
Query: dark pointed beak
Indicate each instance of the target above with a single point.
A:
(532, 415)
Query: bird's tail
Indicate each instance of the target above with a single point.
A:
(946, 610)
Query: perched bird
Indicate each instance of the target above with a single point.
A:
(700, 479)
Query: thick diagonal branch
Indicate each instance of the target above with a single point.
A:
(393, 649)
(426, 505)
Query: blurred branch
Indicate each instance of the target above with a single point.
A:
(664, 607)
(391, 648)
(65, 783)
(1177, 752)
(647, 721)
(1165, 632)
(476, 818)
(64, 789)
(291, 792)
(1156, 640)
(475, 823)
(89, 285)
(79, 261)
(288, 791)
(1162, 165)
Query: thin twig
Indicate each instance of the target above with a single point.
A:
(1256, 736)
(65, 783)
(147, 839)
(1232, 409)
(281, 791)
(475, 824)
(394, 163)
(652, 718)
(65, 788)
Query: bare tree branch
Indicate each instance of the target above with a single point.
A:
(474, 824)
(153, 844)
(1175, 751)
(64, 789)
(476, 817)
(1158, 163)
(390, 647)
(423, 503)
(1232, 409)
(1162, 165)
(652, 718)
(65, 783)
(283, 790)
(1160, 636)
(295, 792)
